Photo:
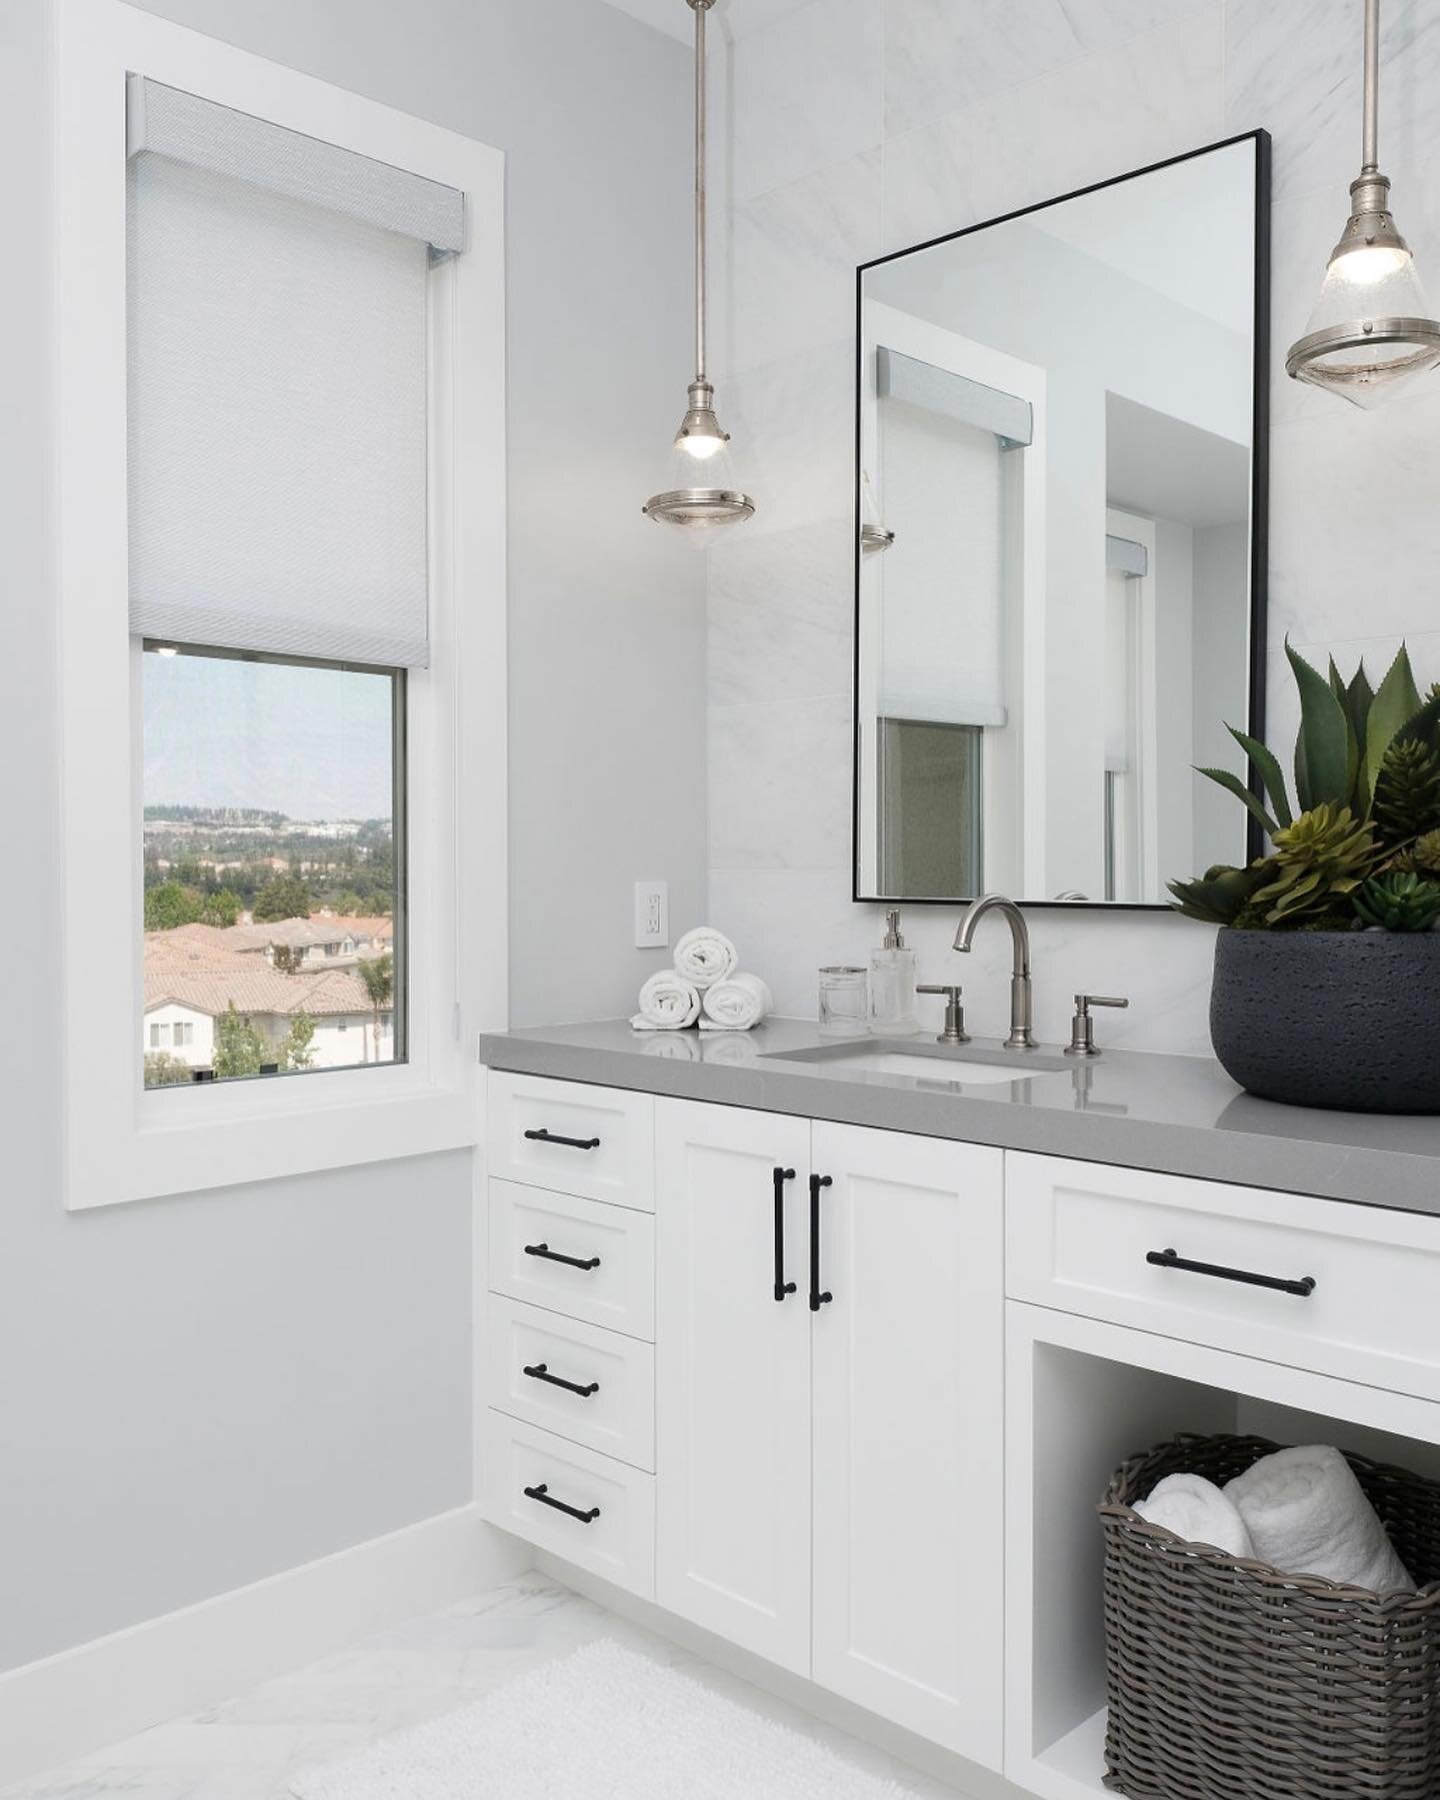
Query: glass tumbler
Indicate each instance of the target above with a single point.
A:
(843, 1000)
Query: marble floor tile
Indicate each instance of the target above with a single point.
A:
(252, 1746)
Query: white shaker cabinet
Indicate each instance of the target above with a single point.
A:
(732, 1401)
(908, 1434)
(829, 1437)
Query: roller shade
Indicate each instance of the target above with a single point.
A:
(953, 396)
(278, 372)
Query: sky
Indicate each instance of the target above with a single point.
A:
(311, 743)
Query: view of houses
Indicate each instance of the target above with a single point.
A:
(288, 994)
(269, 943)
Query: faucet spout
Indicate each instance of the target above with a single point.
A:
(1022, 1036)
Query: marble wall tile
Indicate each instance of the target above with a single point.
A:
(1146, 99)
(942, 54)
(780, 784)
(807, 93)
(1354, 525)
(781, 615)
(791, 262)
(1295, 67)
(793, 426)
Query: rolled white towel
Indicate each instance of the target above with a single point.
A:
(735, 1004)
(705, 956)
(1198, 1511)
(1308, 1515)
(668, 1002)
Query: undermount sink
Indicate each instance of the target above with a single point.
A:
(930, 1065)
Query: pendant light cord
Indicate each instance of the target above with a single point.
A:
(700, 12)
(1371, 151)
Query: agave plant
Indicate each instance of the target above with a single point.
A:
(1366, 811)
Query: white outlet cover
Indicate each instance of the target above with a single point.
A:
(652, 915)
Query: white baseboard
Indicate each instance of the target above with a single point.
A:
(82, 1699)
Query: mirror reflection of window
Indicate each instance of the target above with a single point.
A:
(1031, 711)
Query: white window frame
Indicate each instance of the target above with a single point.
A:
(122, 1142)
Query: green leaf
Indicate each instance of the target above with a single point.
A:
(1424, 726)
(1359, 698)
(1396, 702)
(1232, 784)
(1322, 753)
(1272, 776)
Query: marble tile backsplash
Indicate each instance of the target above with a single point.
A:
(854, 127)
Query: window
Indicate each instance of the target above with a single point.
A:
(273, 800)
(280, 426)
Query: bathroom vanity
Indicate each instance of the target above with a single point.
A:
(833, 1359)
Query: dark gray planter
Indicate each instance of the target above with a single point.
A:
(1347, 1019)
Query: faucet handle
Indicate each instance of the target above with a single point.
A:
(954, 1032)
(1082, 1026)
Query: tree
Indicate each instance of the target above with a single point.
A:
(297, 1052)
(220, 908)
(285, 959)
(170, 905)
(240, 1046)
(282, 897)
(164, 1070)
(378, 974)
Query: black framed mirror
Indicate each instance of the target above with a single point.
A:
(1060, 562)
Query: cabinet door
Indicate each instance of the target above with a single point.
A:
(909, 1433)
(733, 1378)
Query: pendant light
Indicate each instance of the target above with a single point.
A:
(1371, 332)
(703, 493)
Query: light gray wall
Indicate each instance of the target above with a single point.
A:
(852, 128)
(199, 1392)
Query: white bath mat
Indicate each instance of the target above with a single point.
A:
(603, 1724)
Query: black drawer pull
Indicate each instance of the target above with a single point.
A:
(817, 1299)
(540, 1494)
(573, 1262)
(550, 1137)
(782, 1286)
(1171, 1259)
(539, 1372)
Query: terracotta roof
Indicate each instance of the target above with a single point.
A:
(326, 993)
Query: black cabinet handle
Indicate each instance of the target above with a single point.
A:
(550, 1137)
(546, 1499)
(574, 1262)
(539, 1372)
(1171, 1259)
(782, 1286)
(817, 1299)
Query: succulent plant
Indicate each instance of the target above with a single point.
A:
(1367, 791)
(1398, 902)
(1407, 793)
(1327, 852)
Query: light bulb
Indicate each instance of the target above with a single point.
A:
(1369, 263)
(699, 444)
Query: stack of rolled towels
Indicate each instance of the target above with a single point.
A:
(705, 988)
(1299, 1510)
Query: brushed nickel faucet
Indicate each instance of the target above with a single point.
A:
(1021, 1011)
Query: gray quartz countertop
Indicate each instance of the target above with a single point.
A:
(1181, 1114)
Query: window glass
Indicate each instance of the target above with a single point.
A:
(273, 866)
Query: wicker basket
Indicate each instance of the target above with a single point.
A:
(1230, 1681)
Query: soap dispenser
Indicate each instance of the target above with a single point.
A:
(892, 984)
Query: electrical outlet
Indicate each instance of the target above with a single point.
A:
(652, 915)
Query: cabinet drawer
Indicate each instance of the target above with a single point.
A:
(573, 1138)
(574, 1256)
(529, 1353)
(1080, 1236)
(616, 1541)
